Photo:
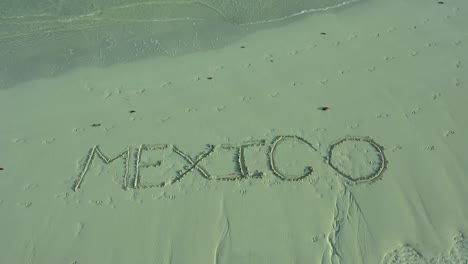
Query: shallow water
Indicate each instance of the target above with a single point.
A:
(46, 38)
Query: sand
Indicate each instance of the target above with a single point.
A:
(223, 155)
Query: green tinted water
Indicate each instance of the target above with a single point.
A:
(40, 39)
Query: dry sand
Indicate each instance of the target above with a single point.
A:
(393, 74)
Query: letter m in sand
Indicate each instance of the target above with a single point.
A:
(92, 153)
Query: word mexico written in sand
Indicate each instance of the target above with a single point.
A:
(369, 150)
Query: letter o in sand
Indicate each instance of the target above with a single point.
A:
(357, 159)
(307, 170)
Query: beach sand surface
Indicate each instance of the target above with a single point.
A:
(227, 155)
